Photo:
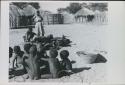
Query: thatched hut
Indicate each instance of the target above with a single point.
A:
(101, 16)
(14, 16)
(29, 12)
(23, 17)
(84, 14)
(19, 18)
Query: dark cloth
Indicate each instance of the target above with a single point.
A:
(30, 35)
(66, 64)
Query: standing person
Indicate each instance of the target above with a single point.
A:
(39, 30)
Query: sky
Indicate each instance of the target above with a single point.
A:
(54, 5)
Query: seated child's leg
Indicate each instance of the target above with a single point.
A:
(64, 73)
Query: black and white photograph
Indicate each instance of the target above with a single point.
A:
(61, 42)
(53, 41)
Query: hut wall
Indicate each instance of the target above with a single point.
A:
(13, 21)
(67, 18)
(53, 19)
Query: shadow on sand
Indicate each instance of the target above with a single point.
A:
(77, 70)
(100, 59)
(90, 58)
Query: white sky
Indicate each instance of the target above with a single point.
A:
(54, 5)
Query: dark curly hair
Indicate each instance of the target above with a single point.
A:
(10, 52)
(16, 49)
(64, 54)
(27, 47)
(53, 53)
(33, 50)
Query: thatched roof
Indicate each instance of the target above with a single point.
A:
(97, 12)
(15, 11)
(102, 13)
(84, 12)
(29, 10)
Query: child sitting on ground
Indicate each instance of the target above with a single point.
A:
(66, 66)
(54, 65)
(29, 36)
(31, 64)
(17, 57)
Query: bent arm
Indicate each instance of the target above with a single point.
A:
(13, 61)
(34, 17)
(45, 59)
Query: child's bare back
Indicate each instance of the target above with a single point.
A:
(53, 63)
(31, 64)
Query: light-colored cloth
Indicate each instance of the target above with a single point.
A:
(38, 18)
(39, 29)
(38, 26)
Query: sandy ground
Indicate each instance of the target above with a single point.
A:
(85, 37)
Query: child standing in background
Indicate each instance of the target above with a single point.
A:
(39, 30)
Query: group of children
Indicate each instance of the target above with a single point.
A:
(40, 58)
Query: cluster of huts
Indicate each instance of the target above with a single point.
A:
(87, 15)
(19, 18)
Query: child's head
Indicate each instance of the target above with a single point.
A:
(38, 12)
(17, 49)
(10, 52)
(53, 53)
(27, 47)
(33, 50)
(64, 54)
